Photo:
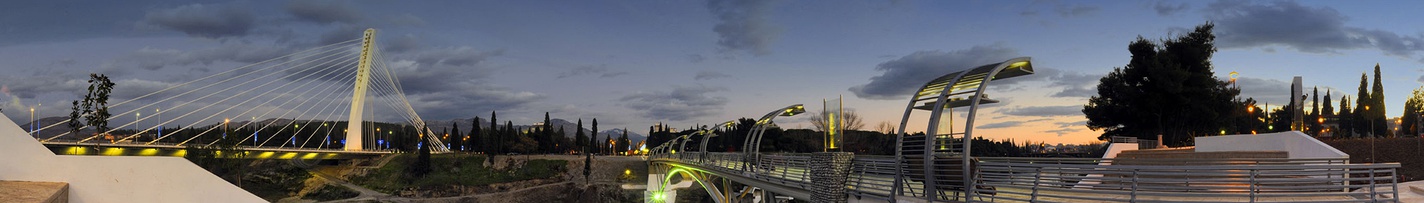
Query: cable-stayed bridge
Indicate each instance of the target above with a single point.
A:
(341, 98)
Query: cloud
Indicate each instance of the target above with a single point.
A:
(405, 20)
(155, 59)
(1164, 8)
(1082, 123)
(743, 26)
(1307, 29)
(465, 100)
(600, 70)
(1069, 110)
(454, 56)
(1005, 124)
(696, 58)
(708, 75)
(30, 86)
(402, 43)
(199, 20)
(902, 76)
(1074, 84)
(1063, 131)
(679, 104)
(323, 11)
(1075, 10)
(452, 82)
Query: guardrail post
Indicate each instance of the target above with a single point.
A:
(1133, 197)
(829, 171)
(1253, 185)
(1373, 196)
(1037, 176)
(1394, 184)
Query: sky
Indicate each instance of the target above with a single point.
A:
(635, 63)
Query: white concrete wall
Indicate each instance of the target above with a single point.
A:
(112, 178)
(1117, 148)
(1295, 143)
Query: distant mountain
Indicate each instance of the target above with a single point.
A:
(632, 135)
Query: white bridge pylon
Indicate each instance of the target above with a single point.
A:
(294, 100)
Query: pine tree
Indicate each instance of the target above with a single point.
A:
(1413, 110)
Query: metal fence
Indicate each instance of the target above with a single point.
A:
(786, 169)
(1086, 179)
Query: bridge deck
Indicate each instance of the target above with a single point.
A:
(123, 149)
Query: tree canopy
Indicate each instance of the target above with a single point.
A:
(1166, 88)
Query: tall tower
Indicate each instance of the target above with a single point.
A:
(358, 95)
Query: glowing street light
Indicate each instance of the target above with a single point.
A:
(32, 121)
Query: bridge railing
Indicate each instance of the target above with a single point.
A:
(784, 169)
(871, 177)
(1230, 180)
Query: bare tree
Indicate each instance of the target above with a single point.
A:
(885, 127)
(849, 121)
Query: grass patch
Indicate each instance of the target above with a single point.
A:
(273, 180)
(455, 169)
(331, 192)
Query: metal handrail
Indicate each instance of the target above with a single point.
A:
(1088, 179)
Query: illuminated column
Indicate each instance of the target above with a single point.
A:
(358, 95)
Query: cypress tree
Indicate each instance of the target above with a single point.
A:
(1378, 118)
(581, 140)
(594, 141)
(563, 139)
(1328, 112)
(1362, 106)
(546, 142)
(475, 137)
(1314, 120)
(1347, 118)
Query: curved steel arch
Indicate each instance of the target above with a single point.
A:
(969, 83)
(751, 147)
(699, 177)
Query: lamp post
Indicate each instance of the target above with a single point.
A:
(1371, 122)
(32, 121)
(160, 122)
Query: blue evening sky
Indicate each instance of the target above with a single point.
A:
(636, 63)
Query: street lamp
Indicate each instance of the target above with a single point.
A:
(1371, 122)
(160, 122)
(32, 121)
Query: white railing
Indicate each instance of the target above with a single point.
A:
(1187, 180)
(784, 169)
(1087, 179)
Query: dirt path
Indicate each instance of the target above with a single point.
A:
(365, 192)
